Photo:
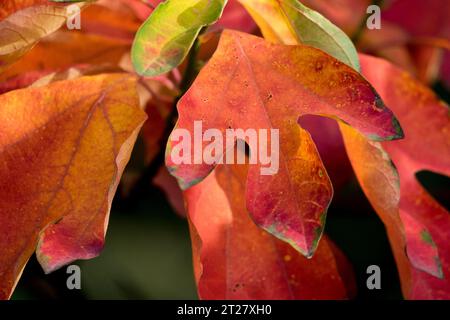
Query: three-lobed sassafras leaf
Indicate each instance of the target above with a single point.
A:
(290, 22)
(235, 259)
(165, 38)
(233, 92)
(63, 148)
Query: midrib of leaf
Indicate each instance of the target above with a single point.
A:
(286, 166)
(62, 179)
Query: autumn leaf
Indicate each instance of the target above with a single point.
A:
(63, 50)
(73, 73)
(63, 148)
(21, 30)
(233, 92)
(71, 108)
(165, 38)
(290, 22)
(111, 19)
(235, 259)
(168, 184)
(423, 224)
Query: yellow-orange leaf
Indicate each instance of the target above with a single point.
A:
(65, 49)
(63, 148)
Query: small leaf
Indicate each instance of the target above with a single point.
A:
(290, 22)
(164, 40)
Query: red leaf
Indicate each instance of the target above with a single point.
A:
(235, 259)
(413, 218)
(233, 91)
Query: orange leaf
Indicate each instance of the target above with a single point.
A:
(347, 14)
(63, 148)
(11, 6)
(112, 19)
(65, 49)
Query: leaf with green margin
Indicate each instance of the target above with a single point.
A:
(164, 40)
(303, 25)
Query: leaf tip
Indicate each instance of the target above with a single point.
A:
(399, 134)
(305, 246)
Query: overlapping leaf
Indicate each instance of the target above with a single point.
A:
(60, 51)
(164, 40)
(232, 91)
(235, 259)
(113, 19)
(349, 15)
(424, 223)
(63, 148)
